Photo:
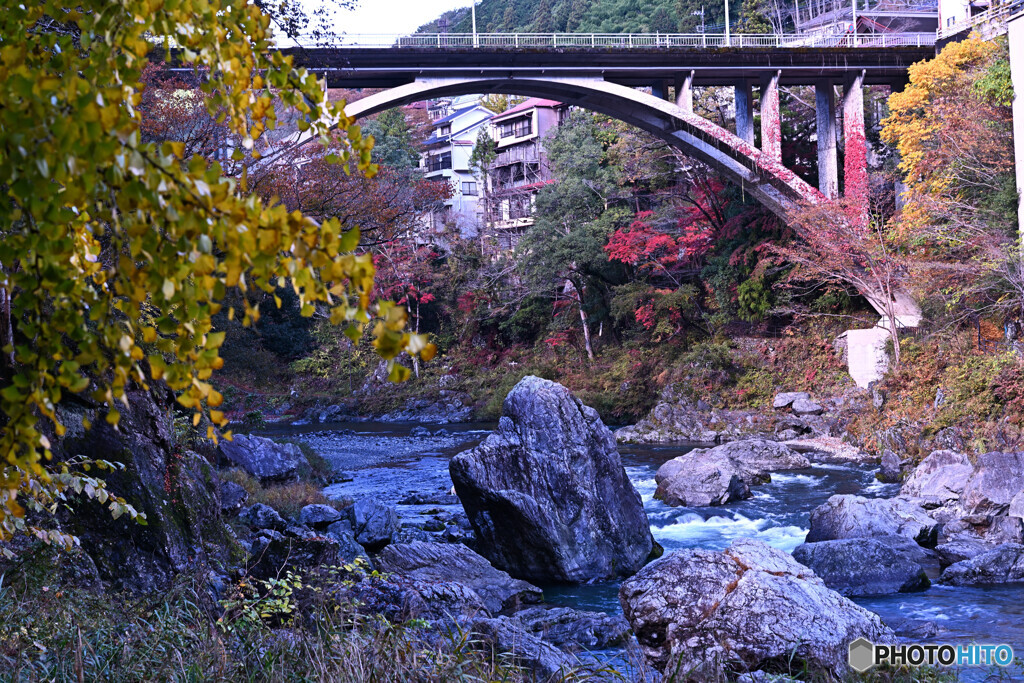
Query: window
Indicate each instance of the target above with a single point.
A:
(439, 162)
(469, 188)
(444, 130)
(520, 128)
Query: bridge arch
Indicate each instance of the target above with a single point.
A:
(775, 186)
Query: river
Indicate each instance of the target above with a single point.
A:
(385, 462)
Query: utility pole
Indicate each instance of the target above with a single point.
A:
(728, 41)
(476, 41)
(854, 4)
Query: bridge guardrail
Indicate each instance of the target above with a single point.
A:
(629, 40)
(998, 13)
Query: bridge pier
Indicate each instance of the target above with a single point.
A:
(855, 150)
(828, 160)
(684, 92)
(745, 113)
(771, 117)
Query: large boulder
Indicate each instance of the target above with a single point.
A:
(1004, 564)
(546, 493)
(940, 477)
(699, 614)
(264, 459)
(176, 490)
(849, 516)
(997, 479)
(444, 562)
(260, 516)
(724, 473)
(866, 566)
(787, 398)
(318, 516)
(696, 481)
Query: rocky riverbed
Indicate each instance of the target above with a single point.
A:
(386, 462)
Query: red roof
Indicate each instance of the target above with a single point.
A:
(531, 103)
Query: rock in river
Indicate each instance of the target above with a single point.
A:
(1004, 564)
(940, 477)
(724, 473)
(867, 566)
(700, 613)
(443, 562)
(849, 516)
(998, 478)
(547, 494)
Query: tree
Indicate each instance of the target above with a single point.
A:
(393, 143)
(577, 10)
(952, 127)
(116, 252)
(542, 19)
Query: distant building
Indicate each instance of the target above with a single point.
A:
(874, 17)
(445, 158)
(519, 171)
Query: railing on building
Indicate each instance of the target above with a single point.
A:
(994, 17)
(435, 164)
(629, 40)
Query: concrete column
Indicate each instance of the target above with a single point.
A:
(745, 113)
(828, 160)
(771, 117)
(1016, 40)
(659, 90)
(855, 166)
(684, 91)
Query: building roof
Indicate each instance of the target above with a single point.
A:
(531, 103)
(456, 114)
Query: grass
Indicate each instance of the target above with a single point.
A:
(287, 498)
(53, 631)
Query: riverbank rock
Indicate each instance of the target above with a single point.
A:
(1004, 564)
(506, 635)
(232, 497)
(444, 408)
(866, 566)
(546, 493)
(849, 516)
(373, 523)
(177, 491)
(940, 477)
(264, 459)
(682, 420)
(700, 614)
(274, 553)
(318, 516)
(787, 398)
(572, 630)
(441, 563)
(997, 479)
(724, 473)
(260, 516)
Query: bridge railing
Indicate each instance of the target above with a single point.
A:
(627, 40)
(997, 14)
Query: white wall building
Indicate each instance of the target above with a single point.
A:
(446, 159)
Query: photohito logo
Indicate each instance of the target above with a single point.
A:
(864, 654)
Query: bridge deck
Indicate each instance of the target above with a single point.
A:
(360, 67)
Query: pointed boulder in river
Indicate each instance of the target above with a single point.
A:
(547, 494)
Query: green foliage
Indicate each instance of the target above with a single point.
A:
(116, 252)
(755, 300)
(392, 140)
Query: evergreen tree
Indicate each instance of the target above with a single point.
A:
(542, 20)
(508, 23)
(661, 21)
(577, 10)
(392, 136)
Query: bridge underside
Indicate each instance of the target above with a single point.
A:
(610, 88)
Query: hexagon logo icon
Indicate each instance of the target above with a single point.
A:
(862, 655)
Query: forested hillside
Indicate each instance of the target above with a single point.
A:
(596, 16)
